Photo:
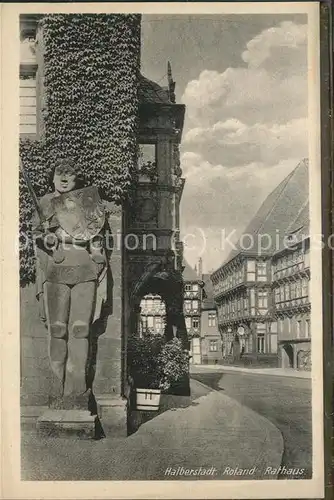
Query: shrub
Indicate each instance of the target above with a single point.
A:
(154, 363)
(174, 362)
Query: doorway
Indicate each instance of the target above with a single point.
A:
(287, 356)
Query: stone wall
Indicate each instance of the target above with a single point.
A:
(36, 374)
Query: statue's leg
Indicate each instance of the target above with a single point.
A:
(83, 297)
(57, 309)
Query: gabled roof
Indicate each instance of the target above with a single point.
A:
(189, 273)
(151, 92)
(284, 208)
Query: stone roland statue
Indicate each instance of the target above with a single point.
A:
(70, 266)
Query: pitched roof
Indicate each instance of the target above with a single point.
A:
(284, 208)
(151, 92)
(189, 273)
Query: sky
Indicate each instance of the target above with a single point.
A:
(243, 79)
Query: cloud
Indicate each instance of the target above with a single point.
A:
(237, 143)
(246, 129)
(272, 87)
(287, 34)
(218, 200)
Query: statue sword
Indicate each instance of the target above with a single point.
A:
(32, 193)
(57, 253)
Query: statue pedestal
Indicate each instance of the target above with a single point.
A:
(112, 414)
(67, 423)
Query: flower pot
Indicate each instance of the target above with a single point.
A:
(148, 399)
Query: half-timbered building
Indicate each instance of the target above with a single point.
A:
(262, 291)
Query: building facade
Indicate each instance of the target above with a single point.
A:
(200, 313)
(211, 342)
(192, 309)
(263, 295)
(147, 268)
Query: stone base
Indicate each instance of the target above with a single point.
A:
(112, 413)
(30, 414)
(83, 402)
(67, 423)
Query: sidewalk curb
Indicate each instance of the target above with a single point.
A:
(253, 371)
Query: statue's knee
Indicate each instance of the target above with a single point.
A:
(80, 330)
(58, 330)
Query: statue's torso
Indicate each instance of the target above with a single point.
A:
(82, 222)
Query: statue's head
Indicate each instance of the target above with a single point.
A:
(66, 176)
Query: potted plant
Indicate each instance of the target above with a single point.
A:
(154, 365)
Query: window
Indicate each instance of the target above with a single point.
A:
(195, 323)
(150, 322)
(289, 324)
(262, 296)
(251, 266)
(293, 291)
(277, 295)
(252, 297)
(143, 320)
(195, 287)
(212, 319)
(248, 345)
(213, 345)
(158, 324)
(147, 156)
(262, 271)
(149, 304)
(307, 328)
(188, 323)
(305, 287)
(251, 270)
(28, 106)
(187, 287)
(195, 305)
(260, 343)
(158, 305)
(281, 325)
(287, 291)
(187, 305)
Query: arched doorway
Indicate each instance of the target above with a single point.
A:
(166, 286)
(287, 356)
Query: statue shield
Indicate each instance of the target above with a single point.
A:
(80, 212)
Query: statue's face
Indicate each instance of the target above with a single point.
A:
(64, 179)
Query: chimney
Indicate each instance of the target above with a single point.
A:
(200, 268)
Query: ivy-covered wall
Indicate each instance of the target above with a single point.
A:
(90, 109)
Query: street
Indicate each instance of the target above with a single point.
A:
(285, 401)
